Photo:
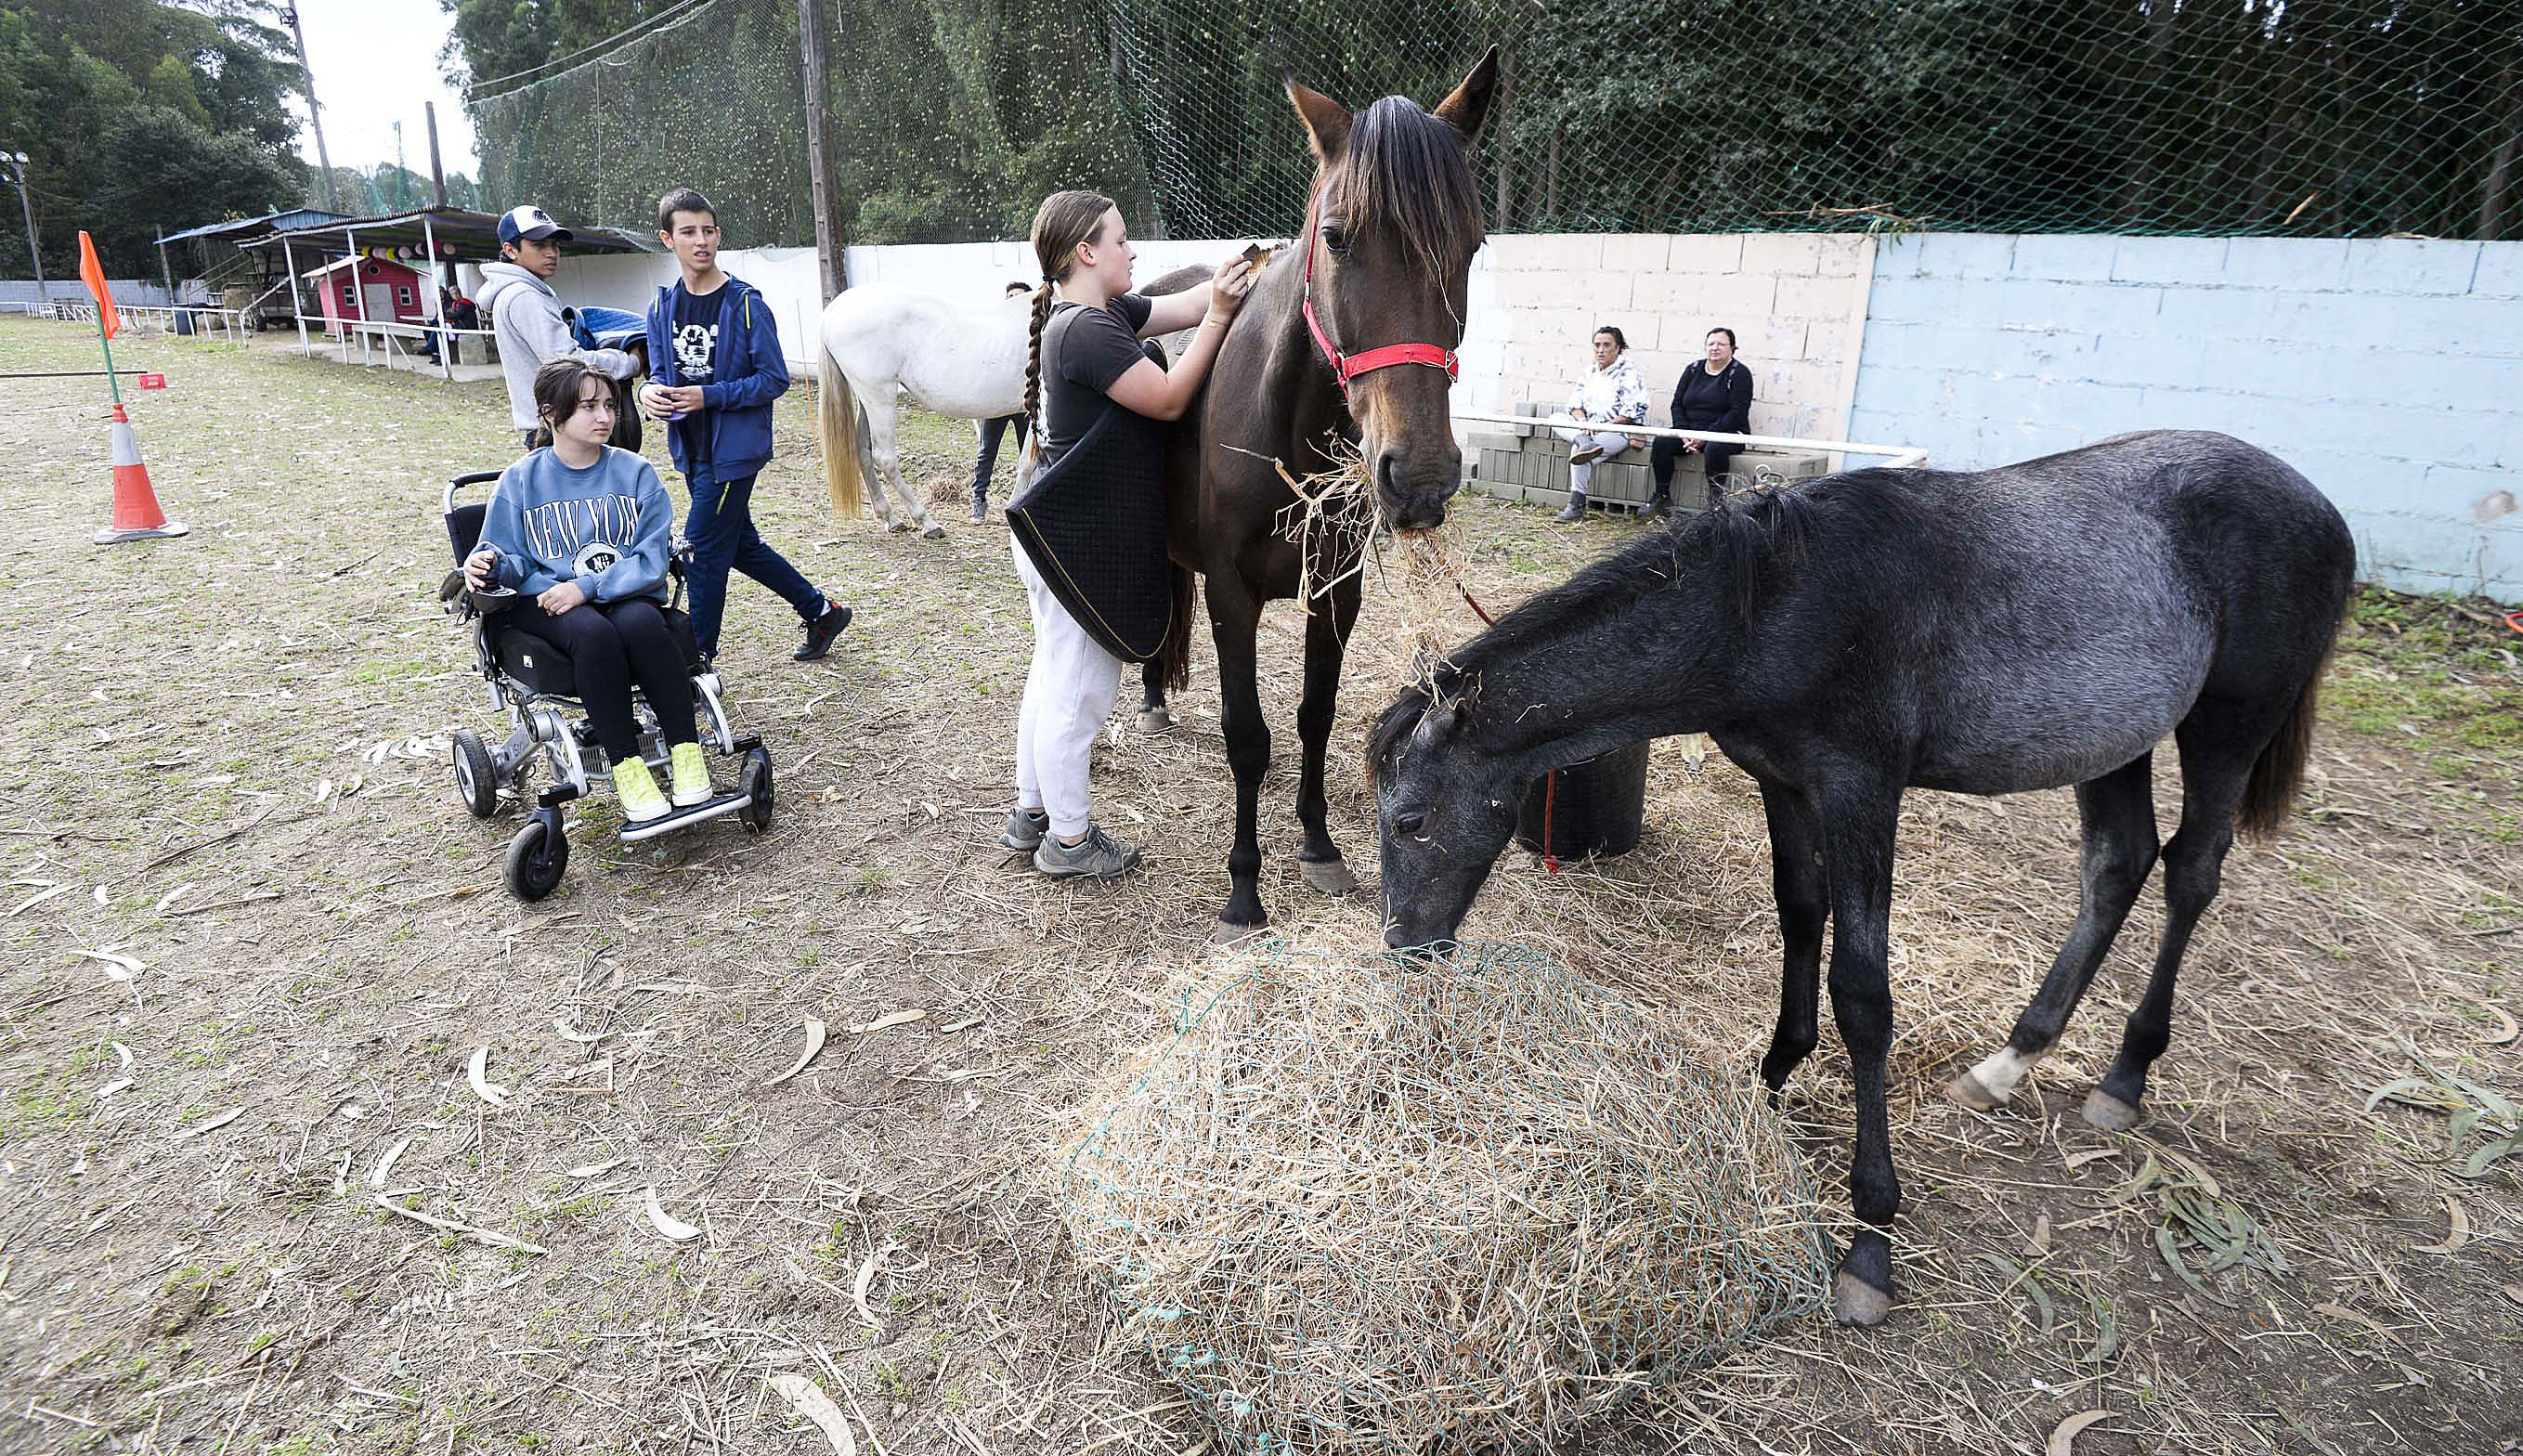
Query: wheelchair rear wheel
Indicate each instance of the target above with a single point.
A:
(754, 783)
(537, 858)
(477, 784)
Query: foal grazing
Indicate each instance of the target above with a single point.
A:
(1395, 218)
(2040, 625)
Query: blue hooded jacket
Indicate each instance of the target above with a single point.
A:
(753, 371)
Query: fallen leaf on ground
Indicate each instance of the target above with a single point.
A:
(666, 1223)
(809, 1400)
(890, 1020)
(595, 1170)
(475, 1074)
(119, 967)
(385, 1164)
(814, 1044)
(216, 1123)
(2456, 1234)
(2063, 1440)
(859, 1289)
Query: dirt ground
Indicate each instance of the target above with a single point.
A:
(250, 947)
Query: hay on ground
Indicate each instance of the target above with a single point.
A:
(1364, 1204)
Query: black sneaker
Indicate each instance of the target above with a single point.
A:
(820, 634)
(981, 506)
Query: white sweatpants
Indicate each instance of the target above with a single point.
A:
(1581, 435)
(1068, 693)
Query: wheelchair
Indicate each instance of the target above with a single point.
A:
(532, 682)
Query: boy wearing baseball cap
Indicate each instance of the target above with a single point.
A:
(526, 316)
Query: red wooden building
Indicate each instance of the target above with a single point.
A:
(395, 292)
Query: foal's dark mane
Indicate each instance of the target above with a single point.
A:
(1405, 170)
(1750, 542)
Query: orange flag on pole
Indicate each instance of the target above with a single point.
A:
(92, 274)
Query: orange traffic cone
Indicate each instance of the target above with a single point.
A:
(136, 516)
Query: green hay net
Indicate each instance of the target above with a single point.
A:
(1362, 1204)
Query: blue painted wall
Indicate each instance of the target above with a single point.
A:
(2390, 372)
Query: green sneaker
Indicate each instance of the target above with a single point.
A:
(692, 776)
(637, 787)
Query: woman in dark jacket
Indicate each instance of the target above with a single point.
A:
(1713, 395)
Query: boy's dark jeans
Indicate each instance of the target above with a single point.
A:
(720, 528)
(992, 430)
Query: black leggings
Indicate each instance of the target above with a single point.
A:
(612, 645)
(1717, 459)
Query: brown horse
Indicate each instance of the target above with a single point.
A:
(1380, 279)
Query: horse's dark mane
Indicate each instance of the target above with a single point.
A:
(1406, 173)
(1750, 542)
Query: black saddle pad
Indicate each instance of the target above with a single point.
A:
(546, 669)
(1093, 523)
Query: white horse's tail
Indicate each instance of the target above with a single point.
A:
(839, 436)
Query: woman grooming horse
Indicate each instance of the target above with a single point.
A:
(2031, 627)
(1084, 358)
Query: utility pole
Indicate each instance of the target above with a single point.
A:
(314, 112)
(437, 173)
(819, 158)
(402, 174)
(16, 162)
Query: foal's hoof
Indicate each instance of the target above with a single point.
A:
(1228, 936)
(1968, 1091)
(1328, 877)
(934, 532)
(1156, 720)
(897, 525)
(1854, 1301)
(2109, 1112)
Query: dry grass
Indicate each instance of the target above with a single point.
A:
(223, 753)
(1356, 1202)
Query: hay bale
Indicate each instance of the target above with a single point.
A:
(1359, 1203)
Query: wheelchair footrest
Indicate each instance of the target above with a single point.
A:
(680, 818)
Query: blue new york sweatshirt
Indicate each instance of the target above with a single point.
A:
(609, 528)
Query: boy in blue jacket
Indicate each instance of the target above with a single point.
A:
(715, 366)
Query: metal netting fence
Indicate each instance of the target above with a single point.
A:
(952, 117)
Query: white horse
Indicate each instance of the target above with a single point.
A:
(966, 361)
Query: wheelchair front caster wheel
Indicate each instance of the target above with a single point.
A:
(754, 783)
(537, 858)
(477, 784)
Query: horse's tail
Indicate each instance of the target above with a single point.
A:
(838, 435)
(2268, 796)
(1174, 659)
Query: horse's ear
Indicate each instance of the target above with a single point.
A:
(1467, 110)
(1326, 121)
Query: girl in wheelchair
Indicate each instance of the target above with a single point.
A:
(585, 531)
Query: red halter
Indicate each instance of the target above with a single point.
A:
(1345, 367)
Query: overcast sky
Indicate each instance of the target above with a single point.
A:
(375, 62)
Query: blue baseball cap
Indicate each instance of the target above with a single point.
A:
(532, 224)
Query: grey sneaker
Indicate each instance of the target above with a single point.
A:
(1099, 855)
(1574, 510)
(980, 507)
(1025, 828)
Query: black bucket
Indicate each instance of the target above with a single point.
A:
(1595, 807)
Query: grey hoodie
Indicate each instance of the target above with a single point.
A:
(525, 318)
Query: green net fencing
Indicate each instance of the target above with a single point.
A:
(950, 118)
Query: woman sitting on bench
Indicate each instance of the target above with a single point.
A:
(585, 531)
(1713, 395)
(1611, 393)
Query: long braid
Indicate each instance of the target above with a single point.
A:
(1033, 359)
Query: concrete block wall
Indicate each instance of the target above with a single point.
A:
(1795, 301)
(2389, 371)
